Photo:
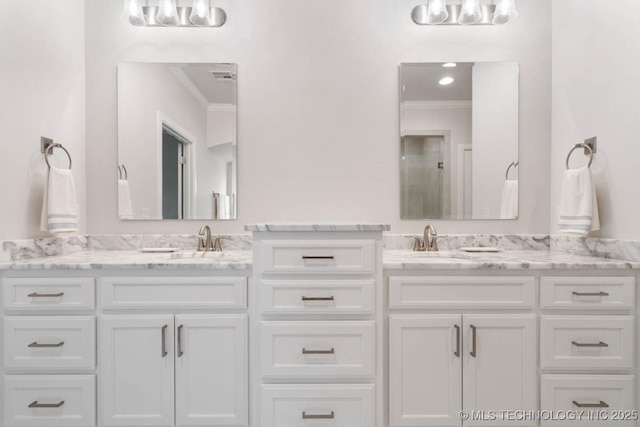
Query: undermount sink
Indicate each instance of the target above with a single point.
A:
(195, 254)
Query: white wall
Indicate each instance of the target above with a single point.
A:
(42, 75)
(318, 105)
(596, 61)
(495, 134)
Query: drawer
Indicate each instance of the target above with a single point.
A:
(319, 405)
(173, 292)
(318, 256)
(317, 350)
(461, 292)
(32, 294)
(49, 401)
(591, 293)
(582, 393)
(587, 342)
(317, 296)
(48, 342)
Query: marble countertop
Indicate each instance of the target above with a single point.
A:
(317, 226)
(121, 260)
(503, 260)
(392, 259)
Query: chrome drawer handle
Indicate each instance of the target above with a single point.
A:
(37, 295)
(586, 344)
(164, 341)
(317, 298)
(318, 257)
(457, 352)
(330, 416)
(590, 294)
(35, 344)
(473, 352)
(180, 352)
(305, 351)
(591, 405)
(35, 404)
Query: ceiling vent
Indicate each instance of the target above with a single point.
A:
(223, 75)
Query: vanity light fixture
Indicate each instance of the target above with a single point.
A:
(167, 13)
(446, 81)
(470, 12)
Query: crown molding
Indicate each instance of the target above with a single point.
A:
(222, 107)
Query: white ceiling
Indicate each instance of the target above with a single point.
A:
(215, 91)
(419, 82)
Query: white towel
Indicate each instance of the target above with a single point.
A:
(59, 214)
(125, 208)
(223, 206)
(578, 206)
(509, 206)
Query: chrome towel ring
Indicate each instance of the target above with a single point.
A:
(512, 165)
(122, 172)
(49, 150)
(586, 147)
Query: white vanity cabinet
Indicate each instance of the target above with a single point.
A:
(463, 357)
(185, 364)
(49, 351)
(318, 330)
(588, 353)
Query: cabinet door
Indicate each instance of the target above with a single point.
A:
(425, 370)
(499, 367)
(136, 374)
(211, 370)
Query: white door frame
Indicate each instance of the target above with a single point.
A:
(189, 152)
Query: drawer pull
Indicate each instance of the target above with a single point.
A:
(305, 351)
(180, 352)
(306, 416)
(457, 352)
(35, 344)
(591, 405)
(317, 298)
(318, 257)
(35, 404)
(474, 340)
(587, 344)
(164, 341)
(37, 295)
(590, 294)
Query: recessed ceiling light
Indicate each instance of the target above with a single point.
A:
(449, 65)
(446, 81)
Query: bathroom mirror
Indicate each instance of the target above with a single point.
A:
(177, 141)
(459, 140)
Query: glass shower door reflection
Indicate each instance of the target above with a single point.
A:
(422, 182)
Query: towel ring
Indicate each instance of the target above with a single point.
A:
(586, 147)
(122, 174)
(513, 164)
(50, 148)
(126, 174)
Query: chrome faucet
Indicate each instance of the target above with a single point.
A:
(206, 243)
(429, 241)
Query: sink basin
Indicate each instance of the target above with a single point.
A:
(195, 255)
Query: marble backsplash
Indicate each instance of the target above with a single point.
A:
(530, 242)
(628, 250)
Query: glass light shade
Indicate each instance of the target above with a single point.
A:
(168, 13)
(470, 12)
(437, 12)
(200, 13)
(133, 14)
(505, 12)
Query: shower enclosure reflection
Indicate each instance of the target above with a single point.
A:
(177, 140)
(458, 135)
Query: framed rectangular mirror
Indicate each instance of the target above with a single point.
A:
(459, 140)
(177, 141)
